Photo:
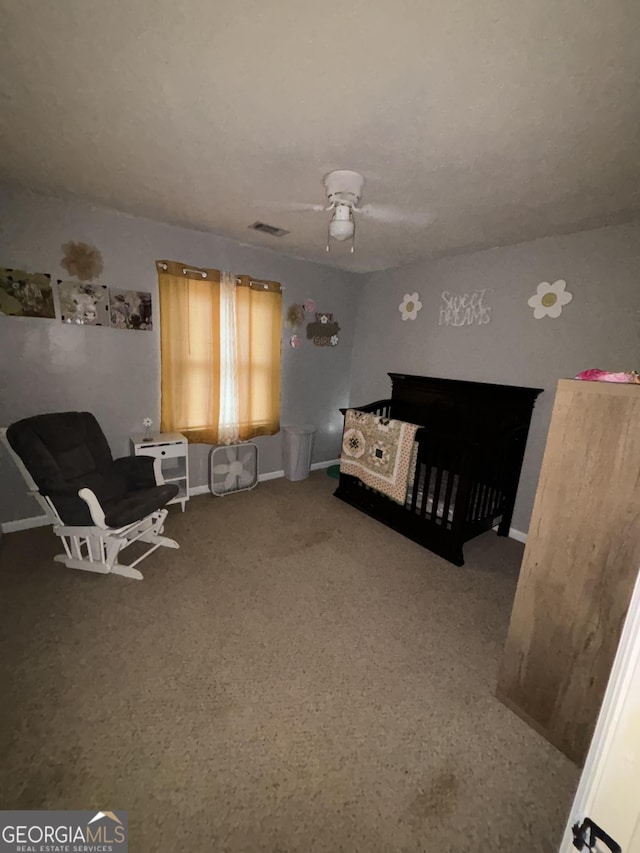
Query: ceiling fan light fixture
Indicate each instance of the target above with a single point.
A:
(341, 226)
(344, 192)
(344, 187)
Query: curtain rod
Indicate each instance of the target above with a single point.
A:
(238, 279)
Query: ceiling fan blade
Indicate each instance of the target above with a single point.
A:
(291, 206)
(396, 215)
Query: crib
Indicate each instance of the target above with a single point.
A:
(469, 453)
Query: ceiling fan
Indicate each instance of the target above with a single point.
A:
(344, 191)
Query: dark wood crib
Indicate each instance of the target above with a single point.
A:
(469, 456)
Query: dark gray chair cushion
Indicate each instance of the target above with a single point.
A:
(60, 448)
(138, 504)
(67, 451)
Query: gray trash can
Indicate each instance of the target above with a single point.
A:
(297, 447)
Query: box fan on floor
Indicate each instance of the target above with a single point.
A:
(233, 468)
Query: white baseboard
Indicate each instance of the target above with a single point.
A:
(25, 523)
(317, 466)
(268, 475)
(518, 535)
(198, 490)
(205, 490)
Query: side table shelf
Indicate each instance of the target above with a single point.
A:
(172, 449)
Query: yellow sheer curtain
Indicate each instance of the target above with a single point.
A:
(218, 337)
(259, 320)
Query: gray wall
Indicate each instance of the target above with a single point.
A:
(599, 328)
(48, 366)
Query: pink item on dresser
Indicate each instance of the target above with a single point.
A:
(595, 375)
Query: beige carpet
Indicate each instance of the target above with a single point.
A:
(296, 678)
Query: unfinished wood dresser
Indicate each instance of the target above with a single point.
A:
(580, 563)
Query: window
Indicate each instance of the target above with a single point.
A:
(220, 350)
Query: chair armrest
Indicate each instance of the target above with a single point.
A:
(97, 513)
(140, 472)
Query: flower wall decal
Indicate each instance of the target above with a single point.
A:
(410, 306)
(81, 260)
(549, 299)
(295, 316)
(324, 331)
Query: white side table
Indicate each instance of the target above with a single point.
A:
(171, 448)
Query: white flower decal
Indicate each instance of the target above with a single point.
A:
(410, 306)
(549, 299)
(334, 340)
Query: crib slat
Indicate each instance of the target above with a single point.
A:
(482, 508)
(417, 476)
(484, 512)
(473, 496)
(479, 497)
(436, 494)
(481, 501)
(476, 501)
(447, 497)
(492, 501)
(427, 479)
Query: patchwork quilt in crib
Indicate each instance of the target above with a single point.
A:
(380, 452)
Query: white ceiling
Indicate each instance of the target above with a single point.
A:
(506, 119)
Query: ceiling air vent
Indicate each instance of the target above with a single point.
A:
(269, 229)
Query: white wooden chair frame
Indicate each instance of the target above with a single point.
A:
(96, 548)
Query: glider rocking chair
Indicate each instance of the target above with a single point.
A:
(98, 506)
